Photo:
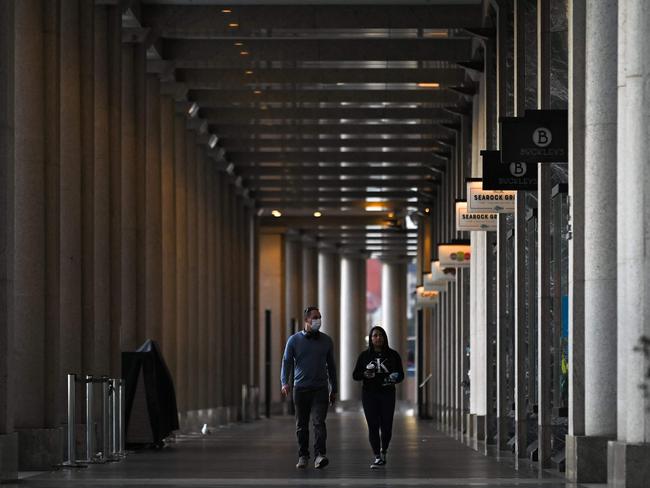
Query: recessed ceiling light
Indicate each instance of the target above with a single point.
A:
(317, 214)
(249, 71)
(239, 44)
(429, 85)
(276, 213)
(233, 25)
(258, 92)
(226, 11)
(244, 53)
(426, 210)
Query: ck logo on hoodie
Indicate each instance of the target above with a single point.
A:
(381, 366)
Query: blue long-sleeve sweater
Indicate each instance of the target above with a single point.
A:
(311, 358)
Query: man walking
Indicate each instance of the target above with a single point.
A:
(309, 354)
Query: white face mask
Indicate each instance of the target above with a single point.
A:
(315, 325)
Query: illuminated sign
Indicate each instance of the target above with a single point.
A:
(493, 201)
(476, 221)
(455, 254)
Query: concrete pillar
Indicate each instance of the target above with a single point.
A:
(140, 133)
(26, 230)
(577, 12)
(212, 372)
(293, 305)
(192, 274)
(391, 296)
(66, 333)
(237, 299)
(353, 270)
(226, 212)
(329, 299)
(219, 283)
(628, 455)
(114, 53)
(599, 234)
(168, 231)
(181, 292)
(202, 283)
(309, 274)
(153, 214)
(126, 203)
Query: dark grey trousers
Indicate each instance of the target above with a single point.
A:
(311, 403)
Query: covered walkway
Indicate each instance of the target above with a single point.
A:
(263, 453)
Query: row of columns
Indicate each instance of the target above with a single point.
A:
(515, 293)
(116, 227)
(309, 273)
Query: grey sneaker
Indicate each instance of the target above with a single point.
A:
(383, 457)
(321, 461)
(303, 461)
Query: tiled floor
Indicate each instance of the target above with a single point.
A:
(263, 453)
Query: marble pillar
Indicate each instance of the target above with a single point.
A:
(168, 231)
(628, 455)
(329, 299)
(353, 327)
(181, 318)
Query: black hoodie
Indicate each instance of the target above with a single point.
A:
(386, 361)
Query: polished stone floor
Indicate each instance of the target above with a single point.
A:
(263, 453)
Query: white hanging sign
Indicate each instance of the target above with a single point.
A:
(426, 298)
(431, 284)
(480, 200)
(455, 255)
(474, 221)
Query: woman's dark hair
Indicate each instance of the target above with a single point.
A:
(383, 332)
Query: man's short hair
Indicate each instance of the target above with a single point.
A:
(308, 311)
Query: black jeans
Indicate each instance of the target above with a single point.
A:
(312, 403)
(379, 408)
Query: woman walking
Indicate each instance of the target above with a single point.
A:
(380, 368)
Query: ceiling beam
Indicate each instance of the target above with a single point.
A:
(298, 172)
(341, 221)
(223, 54)
(308, 196)
(207, 20)
(244, 144)
(235, 78)
(245, 94)
(232, 115)
(333, 156)
(225, 128)
(352, 183)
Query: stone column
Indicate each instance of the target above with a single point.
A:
(125, 203)
(628, 455)
(293, 305)
(202, 276)
(212, 372)
(599, 233)
(114, 48)
(391, 297)
(168, 230)
(576, 283)
(353, 269)
(225, 213)
(181, 293)
(192, 274)
(153, 214)
(329, 299)
(309, 274)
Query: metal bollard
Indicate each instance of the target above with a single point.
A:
(244, 403)
(106, 429)
(72, 419)
(121, 418)
(90, 439)
(115, 388)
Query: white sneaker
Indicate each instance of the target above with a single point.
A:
(303, 461)
(321, 461)
(377, 463)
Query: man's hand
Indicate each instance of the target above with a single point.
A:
(332, 399)
(286, 389)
